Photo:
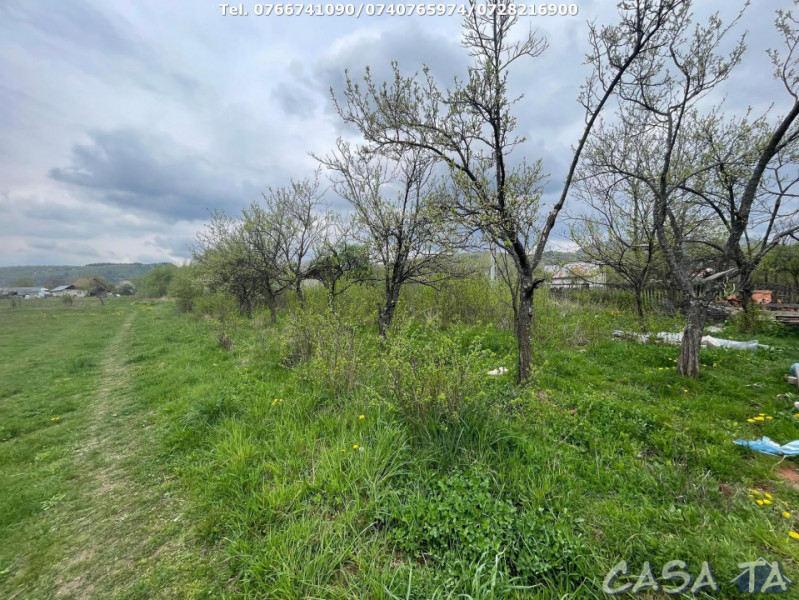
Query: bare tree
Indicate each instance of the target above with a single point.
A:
(470, 128)
(772, 212)
(225, 260)
(297, 218)
(660, 111)
(616, 229)
(339, 261)
(395, 211)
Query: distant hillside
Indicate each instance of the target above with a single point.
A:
(50, 275)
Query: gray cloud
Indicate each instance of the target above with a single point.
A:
(151, 174)
(124, 124)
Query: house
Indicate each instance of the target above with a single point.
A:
(23, 292)
(575, 274)
(67, 290)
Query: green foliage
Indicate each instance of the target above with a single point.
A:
(461, 517)
(185, 288)
(67, 300)
(155, 283)
(756, 321)
(433, 375)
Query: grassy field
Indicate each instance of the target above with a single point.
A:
(139, 458)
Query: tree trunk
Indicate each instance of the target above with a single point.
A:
(747, 290)
(100, 298)
(298, 289)
(688, 363)
(386, 314)
(639, 303)
(524, 317)
(270, 300)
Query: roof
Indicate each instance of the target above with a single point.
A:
(61, 288)
(570, 270)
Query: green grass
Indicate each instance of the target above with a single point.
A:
(607, 455)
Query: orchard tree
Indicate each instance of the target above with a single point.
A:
(470, 128)
(395, 210)
(226, 261)
(660, 113)
(616, 229)
(339, 261)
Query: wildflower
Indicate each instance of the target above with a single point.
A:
(759, 502)
(770, 418)
(766, 501)
(755, 492)
(761, 414)
(786, 514)
(794, 535)
(767, 495)
(686, 391)
(796, 415)
(274, 401)
(67, 378)
(752, 420)
(355, 446)
(758, 418)
(362, 417)
(715, 365)
(56, 419)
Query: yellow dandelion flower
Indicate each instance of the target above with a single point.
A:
(660, 368)
(766, 501)
(786, 514)
(767, 495)
(770, 418)
(759, 502)
(686, 391)
(762, 414)
(751, 420)
(758, 418)
(796, 415)
(56, 419)
(755, 492)
(362, 417)
(794, 535)
(355, 446)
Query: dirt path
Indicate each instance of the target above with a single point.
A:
(124, 521)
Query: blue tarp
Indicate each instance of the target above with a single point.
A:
(768, 446)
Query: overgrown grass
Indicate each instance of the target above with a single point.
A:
(324, 463)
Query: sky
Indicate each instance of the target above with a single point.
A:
(124, 124)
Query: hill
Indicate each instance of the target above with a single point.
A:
(52, 275)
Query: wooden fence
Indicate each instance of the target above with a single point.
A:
(654, 297)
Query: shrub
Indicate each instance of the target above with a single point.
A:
(328, 350)
(185, 289)
(67, 300)
(432, 374)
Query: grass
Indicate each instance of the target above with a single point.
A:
(369, 470)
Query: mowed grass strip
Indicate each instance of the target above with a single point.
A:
(88, 510)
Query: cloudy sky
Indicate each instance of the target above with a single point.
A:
(122, 124)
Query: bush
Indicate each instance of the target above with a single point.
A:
(432, 374)
(328, 350)
(185, 289)
(756, 321)
(67, 300)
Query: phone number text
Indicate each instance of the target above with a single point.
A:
(399, 10)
